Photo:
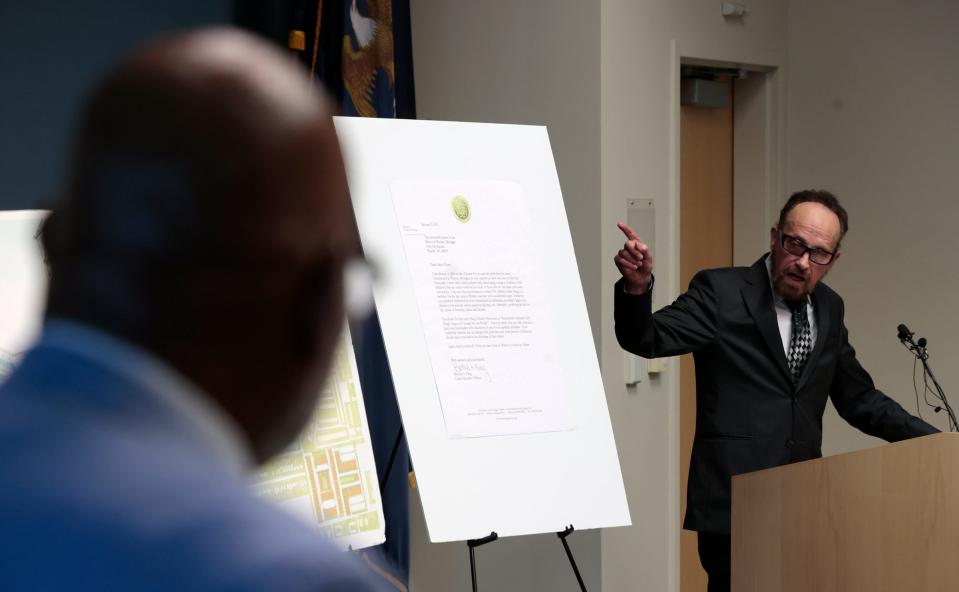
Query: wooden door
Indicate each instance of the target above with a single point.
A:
(706, 240)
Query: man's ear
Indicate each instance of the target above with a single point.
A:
(835, 258)
(773, 237)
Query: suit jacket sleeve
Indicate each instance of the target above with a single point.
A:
(859, 402)
(686, 325)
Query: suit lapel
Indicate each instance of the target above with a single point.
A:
(759, 301)
(821, 310)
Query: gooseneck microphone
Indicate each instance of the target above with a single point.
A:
(904, 332)
(918, 349)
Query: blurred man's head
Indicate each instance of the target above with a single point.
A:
(207, 220)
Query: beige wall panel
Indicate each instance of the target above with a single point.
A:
(873, 89)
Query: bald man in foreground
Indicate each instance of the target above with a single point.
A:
(195, 300)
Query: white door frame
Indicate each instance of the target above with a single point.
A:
(758, 189)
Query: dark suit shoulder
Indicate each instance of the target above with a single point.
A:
(721, 277)
(824, 291)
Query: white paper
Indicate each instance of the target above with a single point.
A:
(481, 300)
(328, 476)
(23, 282)
(514, 485)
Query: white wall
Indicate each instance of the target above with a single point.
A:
(873, 91)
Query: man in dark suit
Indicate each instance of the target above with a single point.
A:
(769, 345)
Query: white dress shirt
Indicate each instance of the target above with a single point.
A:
(784, 315)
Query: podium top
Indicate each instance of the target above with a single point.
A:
(921, 445)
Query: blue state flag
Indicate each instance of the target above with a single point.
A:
(361, 51)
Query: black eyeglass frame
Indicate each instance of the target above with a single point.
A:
(803, 248)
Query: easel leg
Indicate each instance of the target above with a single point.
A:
(473, 568)
(472, 544)
(569, 554)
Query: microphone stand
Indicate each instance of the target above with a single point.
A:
(919, 350)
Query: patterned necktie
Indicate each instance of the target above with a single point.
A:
(801, 341)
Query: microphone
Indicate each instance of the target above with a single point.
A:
(904, 332)
(918, 349)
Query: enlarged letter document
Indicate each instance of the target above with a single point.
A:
(481, 298)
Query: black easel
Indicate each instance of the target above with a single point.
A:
(389, 465)
(472, 544)
(562, 536)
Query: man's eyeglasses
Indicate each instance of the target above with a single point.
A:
(798, 248)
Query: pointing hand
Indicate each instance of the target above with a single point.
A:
(634, 261)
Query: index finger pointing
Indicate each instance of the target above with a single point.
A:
(630, 235)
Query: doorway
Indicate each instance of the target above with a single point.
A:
(706, 241)
(728, 176)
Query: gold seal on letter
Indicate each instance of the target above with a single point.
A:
(461, 209)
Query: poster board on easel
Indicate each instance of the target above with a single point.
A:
(465, 222)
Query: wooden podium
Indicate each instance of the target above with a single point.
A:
(884, 519)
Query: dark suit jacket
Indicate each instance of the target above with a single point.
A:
(749, 414)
